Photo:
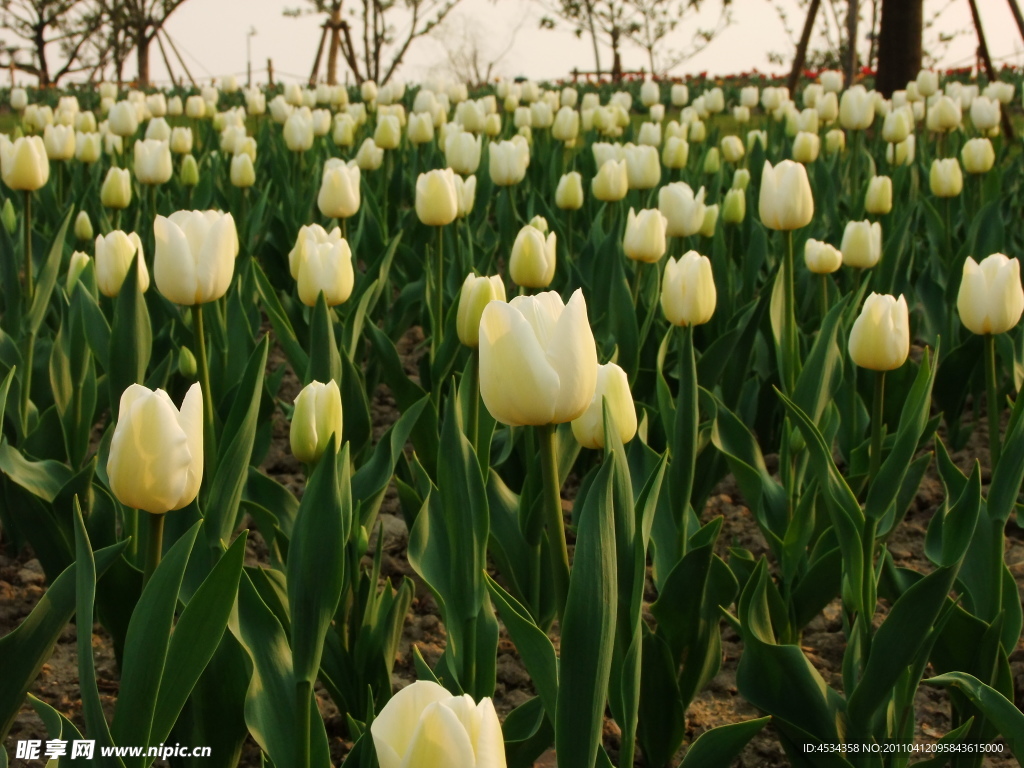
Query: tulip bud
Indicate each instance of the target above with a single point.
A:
(898, 125)
(978, 156)
(707, 229)
(675, 152)
(611, 182)
(822, 258)
(114, 256)
(508, 161)
(806, 147)
(612, 389)
(465, 192)
(436, 201)
(878, 199)
(757, 137)
(77, 265)
(19, 99)
(698, 132)
(368, 90)
(344, 131)
(298, 131)
(902, 153)
(991, 299)
(827, 108)
(195, 255)
(195, 107)
(732, 149)
(189, 173)
(740, 178)
(462, 152)
(645, 235)
(153, 162)
(59, 141)
(741, 115)
(680, 95)
(323, 265)
(315, 418)
(370, 156)
(532, 264)
(643, 168)
(421, 129)
(985, 114)
(832, 81)
(339, 196)
(388, 133)
(9, 218)
(880, 337)
(243, 174)
(734, 209)
(688, 295)
(116, 191)
(856, 109)
(569, 194)
(945, 178)
(927, 82)
(944, 115)
(650, 134)
(23, 163)
(862, 244)
(786, 202)
(835, 141)
(477, 293)
(683, 211)
(88, 147)
(83, 227)
(712, 162)
(123, 119)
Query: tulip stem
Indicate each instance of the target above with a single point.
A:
(552, 504)
(26, 381)
(992, 392)
(789, 339)
(303, 689)
(438, 319)
(29, 276)
(473, 425)
(824, 296)
(155, 546)
(876, 427)
(199, 335)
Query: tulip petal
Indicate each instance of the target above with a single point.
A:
(173, 266)
(439, 740)
(395, 727)
(572, 353)
(190, 419)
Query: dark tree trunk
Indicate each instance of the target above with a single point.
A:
(142, 53)
(332, 53)
(852, 19)
(44, 70)
(801, 48)
(1015, 10)
(899, 44)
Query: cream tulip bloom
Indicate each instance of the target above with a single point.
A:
(569, 194)
(878, 199)
(123, 119)
(732, 148)
(613, 388)
(462, 152)
(880, 337)
(806, 147)
(88, 147)
(902, 153)
(324, 266)
(195, 255)
(786, 202)
(551, 348)
(116, 190)
(533, 259)
(508, 161)
(465, 193)
(897, 125)
(991, 299)
(243, 174)
(862, 244)
(611, 182)
(643, 167)
(115, 253)
(59, 141)
(985, 114)
(156, 452)
(822, 258)
(298, 131)
(370, 156)
(339, 196)
(978, 156)
(645, 235)
(945, 178)
(476, 294)
(437, 202)
(856, 109)
(153, 161)
(688, 295)
(316, 417)
(23, 163)
(424, 726)
(683, 210)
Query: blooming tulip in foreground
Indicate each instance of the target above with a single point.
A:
(195, 255)
(114, 256)
(339, 196)
(477, 293)
(316, 417)
(880, 337)
(688, 294)
(991, 299)
(424, 726)
(822, 258)
(437, 202)
(786, 202)
(613, 388)
(324, 266)
(532, 264)
(645, 235)
(862, 244)
(156, 453)
(551, 348)
(23, 163)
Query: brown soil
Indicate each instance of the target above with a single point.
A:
(22, 583)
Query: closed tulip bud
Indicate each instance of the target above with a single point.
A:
(732, 150)
(59, 141)
(156, 453)
(370, 156)
(657, 113)
(388, 134)
(698, 132)
(465, 191)
(344, 131)
(643, 167)
(324, 265)
(944, 115)
(749, 96)
(158, 129)
(339, 196)
(321, 121)
(181, 140)
(611, 182)
(822, 258)
(83, 226)
(175, 107)
(857, 109)
(368, 90)
(298, 131)
(541, 115)
(985, 114)
(945, 178)
(116, 191)
(508, 161)
(741, 115)
(862, 244)
(85, 122)
(827, 108)
(77, 265)
(421, 129)
(650, 93)
(991, 299)
(734, 208)
(114, 256)
(714, 100)
(243, 174)
(569, 97)
(878, 199)
(9, 217)
(477, 293)
(23, 163)
(902, 153)
(189, 173)
(927, 82)
(786, 202)
(712, 161)
(569, 194)
(357, 112)
(680, 95)
(195, 107)
(88, 147)
(315, 419)
(757, 137)
(645, 235)
(532, 264)
(880, 337)
(123, 119)
(683, 211)
(978, 156)
(688, 295)
(612, 390)
(195, 255)
(898, 125)
(566, 126)
(808, 120)
(492, 125)
(675, 153)
(832, 81)
(550, 346)
(153, 162)
(462, 152)
(707, 229)
(806, 147)
(436, 201)
(741, 178)
(255, 102)
(19, 99)
(603, 152)
(771, 98)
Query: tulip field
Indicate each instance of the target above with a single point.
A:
(425, 426)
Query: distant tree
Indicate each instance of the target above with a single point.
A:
(899, 44)
(65, 24)
(373, 36)
(139, 21)
(470, 55)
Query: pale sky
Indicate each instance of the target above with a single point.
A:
(211, 35)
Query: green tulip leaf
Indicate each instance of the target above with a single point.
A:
(1008, 720)
(718, 747)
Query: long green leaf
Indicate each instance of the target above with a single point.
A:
(997, 708)
(718, 747)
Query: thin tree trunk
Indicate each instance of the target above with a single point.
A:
(989, 68)
(44, 70)
(332, 52)
(852, 19)
(1015, 10)
(593, 37)
(874, 35)
(142, 54)
(319, 54)
(899, 44)
(801, 48)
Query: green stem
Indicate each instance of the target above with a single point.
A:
(552, 504)
(876, 427)
(992, 391)
(684, 446)
(789, 339)
(303, 689)
(469, 657)
(473, 425)
(26, 380)
(437, 331)
(202, 360)
(824, 296)
(29, 269)
(155, 547)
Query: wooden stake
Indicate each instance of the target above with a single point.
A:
(180, 60)
(989, 69)
(801, 48)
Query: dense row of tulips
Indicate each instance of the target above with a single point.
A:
(658, 339)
